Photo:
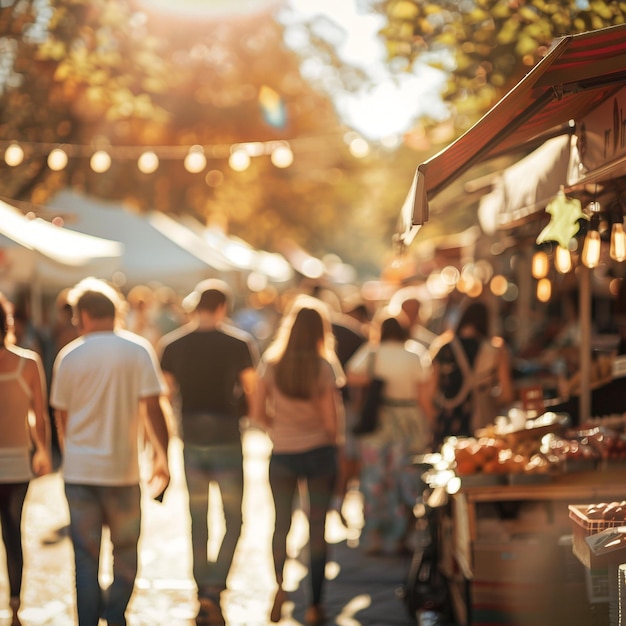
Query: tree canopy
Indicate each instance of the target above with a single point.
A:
(493, 43)
(122, 77)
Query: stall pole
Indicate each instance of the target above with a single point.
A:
(584, 308)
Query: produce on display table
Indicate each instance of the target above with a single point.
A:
(543, 445)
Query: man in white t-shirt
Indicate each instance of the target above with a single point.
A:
(99, 382)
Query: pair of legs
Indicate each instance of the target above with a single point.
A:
(222, 465)
(383, 467)
(317, 469)
(91, 508)
(12, 497)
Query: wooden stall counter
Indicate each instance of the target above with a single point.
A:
(506, 545)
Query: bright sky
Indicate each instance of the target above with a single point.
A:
(393, 104)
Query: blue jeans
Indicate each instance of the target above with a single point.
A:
(222, 464)
(92, 507)
(318, 469)
(12, 498)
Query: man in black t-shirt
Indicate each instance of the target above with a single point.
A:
(210, 367)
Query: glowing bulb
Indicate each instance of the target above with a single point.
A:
(239, 160)
(57, 160)
(282, 157)
(100, 161)
(540, 264)
(14, 155)
(618, 242)
(563, 260)
(195, 161)
(359, 148)
(148, 162)
(591, 249)
(544, 289)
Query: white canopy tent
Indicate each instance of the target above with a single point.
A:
(43, 256)
(240, 253)
(154, 250)
(33, 249)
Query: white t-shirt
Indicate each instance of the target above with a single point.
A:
(99, 380)
(400, 368)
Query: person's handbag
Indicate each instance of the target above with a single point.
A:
(373, 394)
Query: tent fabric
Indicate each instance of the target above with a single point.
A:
(150, 254)
(189, 240)
(526, 186)
(578, 73)
(35, 251)
(240, 253)
(54, 242)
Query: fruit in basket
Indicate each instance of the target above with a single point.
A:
(607, 511)
(596, 511)
(614, 511)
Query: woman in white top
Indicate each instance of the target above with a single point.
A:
(298, 403)
(22, 391)
(403, 429)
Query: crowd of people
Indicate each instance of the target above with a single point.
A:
(121, 381)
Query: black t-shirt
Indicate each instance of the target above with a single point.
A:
(207, 365)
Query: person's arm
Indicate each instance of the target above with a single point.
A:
(39, 425)
(60, 421)
(248, 379)
(258, 406)
(505, 380)
(426, 393)
(357, 368)
(329, 409)
(156, 427)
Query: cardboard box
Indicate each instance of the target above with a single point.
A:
(529, 604)
(522, 560)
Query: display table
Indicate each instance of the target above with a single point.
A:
(506, 542)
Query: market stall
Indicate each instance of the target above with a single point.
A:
(507, 521)
(507, 527)
(576, 90)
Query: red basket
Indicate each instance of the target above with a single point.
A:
(583, 527)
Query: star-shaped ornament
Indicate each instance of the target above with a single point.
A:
(563, 224)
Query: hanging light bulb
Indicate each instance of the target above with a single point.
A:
(195, 161)
(57, 159)
(618, 242)
(239, 160)
(540, 264)
(563, 259)
(13, 155)
(593, 243)
(282, 157)
(544, 290)
(148, 162)
(591, 249)
(100, 161)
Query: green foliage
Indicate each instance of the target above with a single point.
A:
(107, 75)
(494, 42)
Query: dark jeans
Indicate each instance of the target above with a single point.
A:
(92, 507)
(223, 465)
(12, 496)
(318, 470)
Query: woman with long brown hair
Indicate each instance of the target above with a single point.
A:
(298, 404)
(24, 446)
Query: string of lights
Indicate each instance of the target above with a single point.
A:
(194, 157)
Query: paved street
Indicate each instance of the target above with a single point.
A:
(360, 591)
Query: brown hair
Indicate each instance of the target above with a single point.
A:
(208, 295)
(303, 339)
(97, 298)
(392, 330)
